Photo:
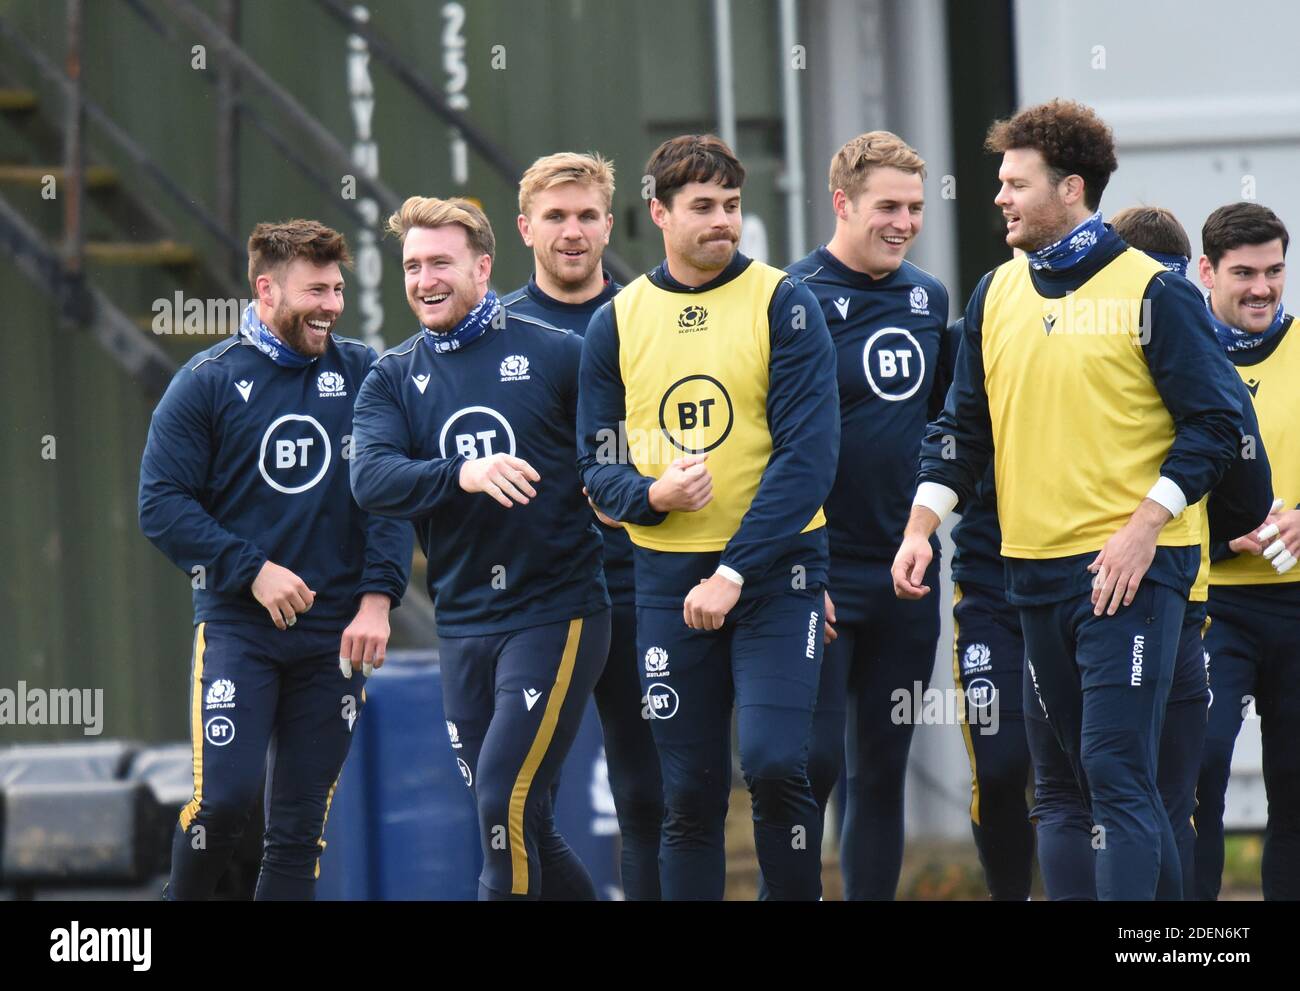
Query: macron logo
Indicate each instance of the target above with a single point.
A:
(421, 382)
(244, 388)
(1139, 648)
(531, 695)
(842, 304)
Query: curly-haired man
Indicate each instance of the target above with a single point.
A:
(1090, 377)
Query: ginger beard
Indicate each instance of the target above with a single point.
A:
(440, 309)
(568, 227)
(445, 277)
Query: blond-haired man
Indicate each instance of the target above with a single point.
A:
(565, 217)
(887, 319)
(468, 430)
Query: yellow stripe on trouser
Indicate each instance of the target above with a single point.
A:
(196, 730)
(325, 821)
(961, 709)
(329, 799)
(524, 780)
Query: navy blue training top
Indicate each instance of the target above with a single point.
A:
(889, 341)
(422, 414)
(531, 303)
(247, 461)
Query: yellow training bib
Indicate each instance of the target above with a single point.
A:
(695, 373)
(1079, 429)
(1274, 385)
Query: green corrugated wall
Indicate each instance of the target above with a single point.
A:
(87, 602)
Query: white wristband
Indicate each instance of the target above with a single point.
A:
(731, 574)
(937, 498)
(1168, 494)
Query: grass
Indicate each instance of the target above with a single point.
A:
(946, 870)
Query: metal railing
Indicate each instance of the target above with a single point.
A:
(83, 305)
(64, 279)
(492, 154)
(117, 138)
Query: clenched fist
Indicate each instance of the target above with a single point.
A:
(685, 487)
(283, 594)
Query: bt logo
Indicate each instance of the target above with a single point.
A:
(894, 364)
(981, 692)
(661, 701)
(476, 432)
(695, 414)
(295, 454)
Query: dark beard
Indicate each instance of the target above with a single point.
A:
(290, 328)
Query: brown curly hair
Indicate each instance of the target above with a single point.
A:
(1072, 139)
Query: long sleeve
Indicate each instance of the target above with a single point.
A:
(389, 545)
(386, 480)
(614, 483)
(958, 445)
(949, 341)
(1191, 373)
(173, 477)
(803, 416)
(1243, 497)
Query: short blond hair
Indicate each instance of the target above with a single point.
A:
(429, 211)
(550, 171)
(853, 163)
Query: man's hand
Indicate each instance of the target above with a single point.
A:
(708, 603)
(365, 641)
(908, 571)
(1255, 541)
(599, 515)
(829, 633)
(914, 554)
(501, 476)
(1124, 559)
(1280, 540)
(283, 594)
(1246, 544)
(685, 487)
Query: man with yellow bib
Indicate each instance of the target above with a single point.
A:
(708, 424)
(1254, 600)
(1090, 376)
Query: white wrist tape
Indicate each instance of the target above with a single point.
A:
(731, 574)
(937, 498)
(1168, 494)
